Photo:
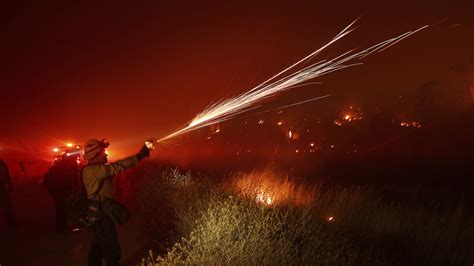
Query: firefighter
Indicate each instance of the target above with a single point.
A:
(60, 181)
(98, 181)
(6, 189)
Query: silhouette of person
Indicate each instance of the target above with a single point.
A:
(60, 182)
(6, 189)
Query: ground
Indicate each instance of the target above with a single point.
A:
(34, 241)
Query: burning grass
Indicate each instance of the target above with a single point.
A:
(258, 219)
(269, 189)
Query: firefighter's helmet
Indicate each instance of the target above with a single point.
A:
(93, 148)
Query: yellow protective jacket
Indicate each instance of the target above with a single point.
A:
(93, 174)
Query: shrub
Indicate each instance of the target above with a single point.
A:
(226, 223)
(164, 197)
(239, 232)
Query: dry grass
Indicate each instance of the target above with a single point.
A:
(225, 223)
(270, 189)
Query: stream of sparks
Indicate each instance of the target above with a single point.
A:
(229, 108)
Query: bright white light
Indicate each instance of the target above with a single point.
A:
(226, 109)
(150, 145)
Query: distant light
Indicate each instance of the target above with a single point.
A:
(73, 153)
(261, 122)
(78, 147)
(290, 134)
(280, 123)
(330, 219)
(55, 149)
(69, 145)
(311, 144)
(297, 151)
(414, 124)
(217, 131)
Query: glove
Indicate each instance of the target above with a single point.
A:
(144, 152)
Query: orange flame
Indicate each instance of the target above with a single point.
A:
(270, 189)
(264, 198)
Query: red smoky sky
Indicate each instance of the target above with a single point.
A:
(127, 72)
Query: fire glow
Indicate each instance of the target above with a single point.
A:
(351, 115)
(414, 124)
(270, 189)
(229, 108)
(264, 198)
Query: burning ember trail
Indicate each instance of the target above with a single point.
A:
(229, 108)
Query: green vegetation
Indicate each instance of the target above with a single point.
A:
(199, 220)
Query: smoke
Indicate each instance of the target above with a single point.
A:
(472, 78)
(291, 77)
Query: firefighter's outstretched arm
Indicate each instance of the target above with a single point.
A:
(113, 169)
